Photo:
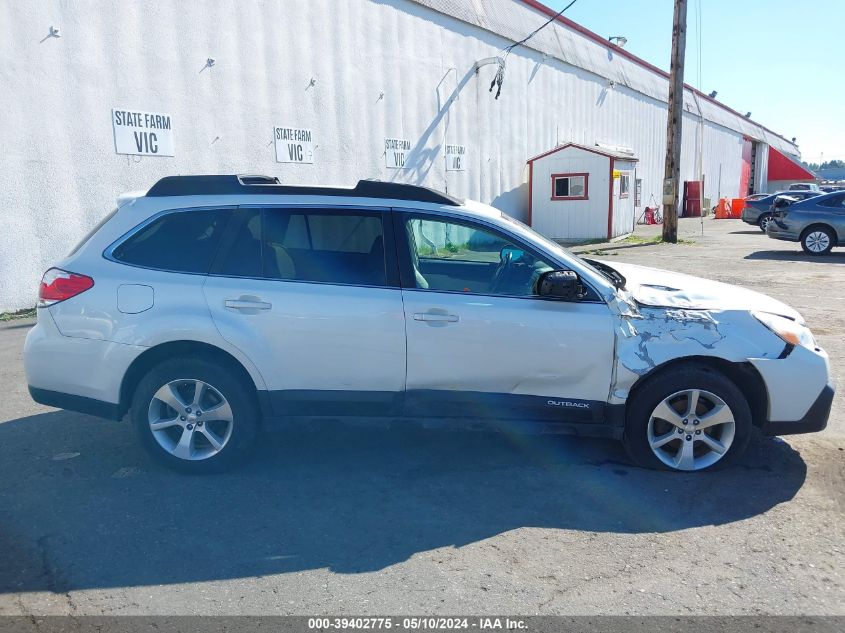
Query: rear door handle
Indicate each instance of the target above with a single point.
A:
(433, 317)
(244, 304)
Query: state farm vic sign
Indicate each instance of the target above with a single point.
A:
(293, 145)
(396, 152)
(142, 133)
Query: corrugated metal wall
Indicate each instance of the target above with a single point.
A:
(380, 68)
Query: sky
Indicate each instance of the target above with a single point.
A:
(782, 60)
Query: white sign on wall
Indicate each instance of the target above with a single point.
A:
(395, 152)
(293, 145)
(456, 157)
(142, 133)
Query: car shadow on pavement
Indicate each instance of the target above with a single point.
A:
(82, 507)
(799, 256)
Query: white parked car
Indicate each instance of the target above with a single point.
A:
(214, 307)
(804, 186)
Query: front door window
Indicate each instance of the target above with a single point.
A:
(450, 256)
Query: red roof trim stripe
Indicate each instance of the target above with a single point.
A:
(542, 8)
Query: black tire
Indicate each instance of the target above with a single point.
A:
(238, 393)
(763, 220)
(809, 233)
(661, 386)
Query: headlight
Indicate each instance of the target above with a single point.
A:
(787, 329)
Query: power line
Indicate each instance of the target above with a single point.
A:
(502, 59)
(508, 49)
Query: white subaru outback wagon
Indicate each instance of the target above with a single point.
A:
(213, 307)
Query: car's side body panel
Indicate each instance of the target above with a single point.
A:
(80, 367)
(317, 345)
(505, 348)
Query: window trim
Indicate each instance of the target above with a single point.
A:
(408, 280)
(586, 176)
(627, 177)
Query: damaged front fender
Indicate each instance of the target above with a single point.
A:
(648, 337)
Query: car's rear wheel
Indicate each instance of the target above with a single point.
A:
(689, 419)
(817, 240)
(764, 222)
(194, 415)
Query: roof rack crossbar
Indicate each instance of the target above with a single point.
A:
(270, 185)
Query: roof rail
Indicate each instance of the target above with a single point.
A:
(270, 185)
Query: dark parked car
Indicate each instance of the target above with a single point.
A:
(818, 223)
(759, 210)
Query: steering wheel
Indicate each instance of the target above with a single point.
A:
(501, 272)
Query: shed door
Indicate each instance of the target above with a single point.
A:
(622, 203)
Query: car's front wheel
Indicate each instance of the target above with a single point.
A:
(194, 415)
(817, 240)
(692, 418)
(764, 222)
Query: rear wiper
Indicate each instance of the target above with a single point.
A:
(612, 274)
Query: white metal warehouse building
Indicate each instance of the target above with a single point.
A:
(352, 89)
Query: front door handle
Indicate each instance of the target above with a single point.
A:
(247, 304)
(436, 317)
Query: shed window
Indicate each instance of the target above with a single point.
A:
(570, 186)
(624, 185)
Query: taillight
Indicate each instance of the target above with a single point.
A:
(58, 285)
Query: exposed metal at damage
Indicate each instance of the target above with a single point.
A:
(658, 323)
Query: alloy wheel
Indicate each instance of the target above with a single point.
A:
(190, 419)
(817, 241)
(764, 223)
(691, 429)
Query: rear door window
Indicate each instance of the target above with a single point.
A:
(180, 241)
(324, 245)
(241, 251)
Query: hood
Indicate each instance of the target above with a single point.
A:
(664, 289)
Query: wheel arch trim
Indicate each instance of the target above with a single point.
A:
(744, 375)
(183, 348)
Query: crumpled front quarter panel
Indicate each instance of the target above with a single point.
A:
(650, 337)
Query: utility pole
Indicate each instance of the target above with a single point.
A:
(673, 129)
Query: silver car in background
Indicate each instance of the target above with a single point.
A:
(818, 223)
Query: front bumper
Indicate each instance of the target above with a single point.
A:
(800, 391)
(814, 420)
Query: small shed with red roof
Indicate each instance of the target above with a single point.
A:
(579, 192)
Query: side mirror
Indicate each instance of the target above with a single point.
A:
(560, 284)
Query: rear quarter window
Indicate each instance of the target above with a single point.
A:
(180, 241)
